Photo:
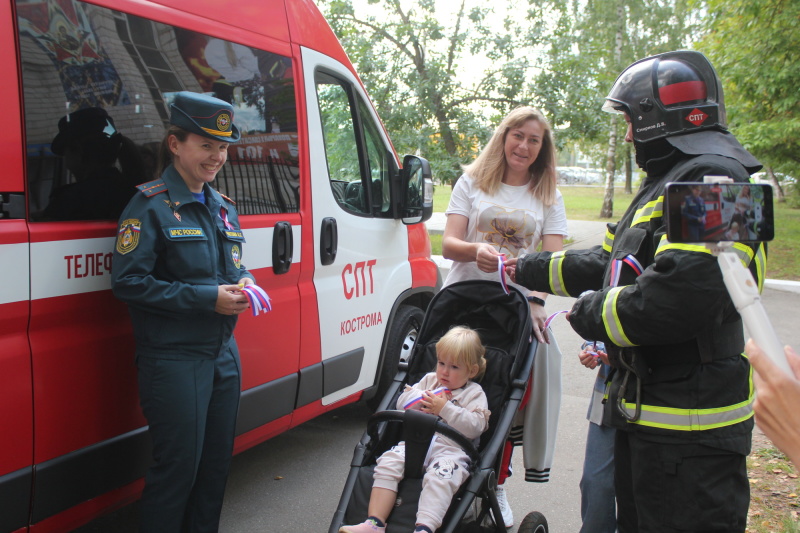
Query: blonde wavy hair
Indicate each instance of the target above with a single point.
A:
(489, 167)
(463, 346)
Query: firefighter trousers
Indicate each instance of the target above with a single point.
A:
(671, 488)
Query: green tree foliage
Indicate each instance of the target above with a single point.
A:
(413, 58)
(594, 41)
(754, 45)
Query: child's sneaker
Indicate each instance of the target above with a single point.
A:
(370, 526)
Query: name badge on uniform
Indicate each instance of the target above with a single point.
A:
(181, 233)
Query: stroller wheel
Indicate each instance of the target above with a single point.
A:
(534, 522)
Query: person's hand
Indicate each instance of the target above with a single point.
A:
(588, 359)
(511, 269)
(486, 257)
(244, 282)
(777, 399)
(433, 404)
(591, 359)
(539, 317)
(231, 300)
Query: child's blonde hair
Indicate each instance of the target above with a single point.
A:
(463, 346)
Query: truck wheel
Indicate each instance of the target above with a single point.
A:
(534, 522)
(401, 341)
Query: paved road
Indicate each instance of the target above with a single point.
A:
(293, 482)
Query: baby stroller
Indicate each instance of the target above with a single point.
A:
(504, 325)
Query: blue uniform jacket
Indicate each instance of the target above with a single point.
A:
(694, 209)
(171, 255)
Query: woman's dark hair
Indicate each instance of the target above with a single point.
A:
(164, 153)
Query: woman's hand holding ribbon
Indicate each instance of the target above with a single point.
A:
(486, 257)
(540, 323)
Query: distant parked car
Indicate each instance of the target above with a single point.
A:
(580, 176)
(786, 182)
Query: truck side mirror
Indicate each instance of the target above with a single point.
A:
(417, 190)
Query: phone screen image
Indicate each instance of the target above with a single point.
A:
(714, 212)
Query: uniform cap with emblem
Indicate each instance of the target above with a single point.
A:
(204, 115)
(80, 124)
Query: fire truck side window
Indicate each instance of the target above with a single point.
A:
(97, 85)
(359, 165)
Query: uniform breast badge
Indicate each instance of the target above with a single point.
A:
(174, 208)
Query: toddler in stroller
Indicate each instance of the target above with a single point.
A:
(503, 324)
(462, 404)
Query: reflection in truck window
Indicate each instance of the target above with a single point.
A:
(360, 179)
(83, 57)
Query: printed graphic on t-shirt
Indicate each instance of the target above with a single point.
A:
(507, 230)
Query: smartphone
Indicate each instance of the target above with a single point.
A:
(716, 212)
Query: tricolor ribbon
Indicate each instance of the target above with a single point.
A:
(258, 298)
(616, 268)
(551, 317)
(416, 400)
(501, 267)
(223, 214)
(634, 264)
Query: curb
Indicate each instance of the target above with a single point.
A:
(782, 285)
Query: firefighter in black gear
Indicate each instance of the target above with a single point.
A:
(680, 392)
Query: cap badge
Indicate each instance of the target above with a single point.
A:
(223, 122)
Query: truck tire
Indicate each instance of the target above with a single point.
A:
(399, 345)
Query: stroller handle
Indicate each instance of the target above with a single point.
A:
(440, 427)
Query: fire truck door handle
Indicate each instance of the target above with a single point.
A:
(282, 247)
(328, 241)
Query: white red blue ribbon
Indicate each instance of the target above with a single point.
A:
(223, 214)
(417, 399)
(551, 317)
(258, 298)
(501, 267)
(616, 268)
(634, 264)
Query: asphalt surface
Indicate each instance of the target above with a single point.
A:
(293, 482)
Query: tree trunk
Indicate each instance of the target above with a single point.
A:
(628, 171)
(775, 185)
(607, 211)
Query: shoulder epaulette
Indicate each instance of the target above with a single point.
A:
(227, 199)
(151, 188)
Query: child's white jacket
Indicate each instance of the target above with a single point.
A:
(467, 411)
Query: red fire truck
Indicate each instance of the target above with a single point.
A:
(331, 217)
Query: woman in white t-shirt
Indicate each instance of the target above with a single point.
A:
(506, 202)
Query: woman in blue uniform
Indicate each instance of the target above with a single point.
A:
(178, 266)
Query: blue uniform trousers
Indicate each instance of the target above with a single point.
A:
(598, 504)
(191, 407)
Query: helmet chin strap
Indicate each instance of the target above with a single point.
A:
(651, 151)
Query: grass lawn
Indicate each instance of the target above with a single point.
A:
(583, 203)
